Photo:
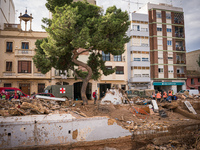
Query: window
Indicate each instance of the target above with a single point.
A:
(123, 87)
(7, 85)
(117, 57)
(41, 87)
(24, 66)
(192, 81)
(136, 27)
(105, 57)
(198, 79)
(25, 45)
(169, 43)
(158, 15)
(8, 66)
(136, 59)
(160, 70)
(168, 15)
(119, 70)
(169, 30)
(170, 57)
(145, 59)
(159, 29)
(9, 46)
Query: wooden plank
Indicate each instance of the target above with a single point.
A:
(190, 108)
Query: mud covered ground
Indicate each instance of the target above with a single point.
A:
(181, 126)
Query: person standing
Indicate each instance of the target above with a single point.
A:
(170, 95)
(95, 96)
(158, 96)
(153, 96)
(164, 96)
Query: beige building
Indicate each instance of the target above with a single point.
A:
(16, 51)
(191, 59)
(17, 47)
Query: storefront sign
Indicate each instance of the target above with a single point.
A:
(168, 83)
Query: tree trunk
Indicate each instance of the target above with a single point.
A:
(86, 79)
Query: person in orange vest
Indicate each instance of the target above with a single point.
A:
(170, 96)
(153, 95)
(158, 96)
(165, 95)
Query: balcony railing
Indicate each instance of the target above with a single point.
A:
(180, 61)
(24, 52)
(9, 74)
(181, 75)
(179, 35)
(39, 75)
(11, 26)
(180, 48)
(177, 21)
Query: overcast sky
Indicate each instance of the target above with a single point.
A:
(190, 7)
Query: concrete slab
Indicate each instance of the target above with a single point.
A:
(42, 130)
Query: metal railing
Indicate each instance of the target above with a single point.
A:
(9, 74)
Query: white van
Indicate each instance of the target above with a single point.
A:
(193, 92)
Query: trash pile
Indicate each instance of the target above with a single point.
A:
(26, 106)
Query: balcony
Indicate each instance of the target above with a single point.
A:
(140, 63)
(24, 52)
(179, 34)
(143, 32)
(181, 75)
(180, 48)
(39, 75)
(7, 74)
(12, 27)
(140, 78)
(180, 62)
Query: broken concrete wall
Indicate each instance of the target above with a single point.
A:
(113, 96)
(42, 130)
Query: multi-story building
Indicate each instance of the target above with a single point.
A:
(138, 59)
(193, 70)
(17, 47)
(7, 12)
(167, 46)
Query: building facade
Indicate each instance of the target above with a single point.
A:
(167, 46)
(17, 47)
(138, 52)
(193, 70)
(7, 12)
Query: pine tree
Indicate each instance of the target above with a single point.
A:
(80, 27)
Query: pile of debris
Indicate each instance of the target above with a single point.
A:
(27, 106)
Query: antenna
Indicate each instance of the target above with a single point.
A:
(129, 1)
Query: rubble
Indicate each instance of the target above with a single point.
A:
(27, 106)
(138, 115)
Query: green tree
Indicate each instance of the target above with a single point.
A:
(80, 27)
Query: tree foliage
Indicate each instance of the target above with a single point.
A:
(80, 27)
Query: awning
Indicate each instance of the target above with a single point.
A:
(168, 83)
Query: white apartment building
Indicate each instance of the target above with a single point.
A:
(138, 52)
(7, 12)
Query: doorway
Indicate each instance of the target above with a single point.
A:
(77, 90)
(103, 89)
(25, 87)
